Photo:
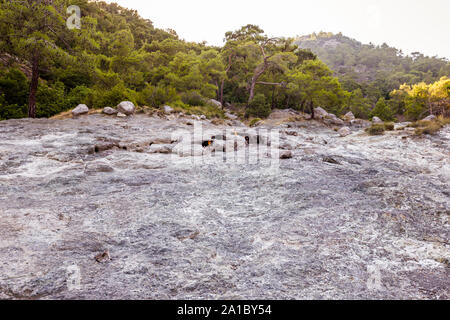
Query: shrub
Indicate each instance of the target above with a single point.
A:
(258, 107)
(382, 111)
(431, 128)
(253, 122)
(193, 98)
(111, 98)
(11, 111)
(50, 99)
(15, 88)
(376, 130)
(78, 95)
(157, 96)
(389, 126)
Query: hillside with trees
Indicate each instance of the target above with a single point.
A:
(375, 70)
(116, 55)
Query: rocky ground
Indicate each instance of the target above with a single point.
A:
(99, 207)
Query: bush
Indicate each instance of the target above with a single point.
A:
(50, 99)
(193, 98)
(111, 98)
(15, 88)
(157, 96)
(382, 111)
(429, 127)
(253, 122)
(258, 108)
(11, 111)
(78, 95)
(376, 130)
(389, 126)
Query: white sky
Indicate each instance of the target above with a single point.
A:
(409, 25)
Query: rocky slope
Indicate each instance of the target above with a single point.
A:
(99, 207)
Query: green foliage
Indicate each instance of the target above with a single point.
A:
(376, 130)
(117, 55)
(51, 99)
(157, 96)
(389, 126)
(258, 107)
(254, 121)
(192, 98)
(376, 70)
(382, 111)
(111, 98)
(11, 111)
(14, 86)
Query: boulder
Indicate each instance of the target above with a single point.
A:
(110, 111)
(80, 109)
(121, 115)
(360, 123)
(286, 155)
(168, 109)
(349, 116)
(376, 120)
(126, 107)
(430, 118)
(231, 116)
(320, 113)
(332, 119)
(345, 131)
(215, 103)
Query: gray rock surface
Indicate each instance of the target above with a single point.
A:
(126, 107)
(349, 116)
(89, 211)
(430, 118)
(345, 131)
(215, 103)
(376, 120)
(168, 109)
(109, 111)
(80, 109)
(320, 113)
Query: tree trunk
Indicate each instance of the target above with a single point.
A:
(311, 104)
(252, 91)
(33, 86)
(221, 92)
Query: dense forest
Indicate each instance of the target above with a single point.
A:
(47, 68)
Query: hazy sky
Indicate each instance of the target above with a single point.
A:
(409, 25)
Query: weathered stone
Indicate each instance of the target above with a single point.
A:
(286, 155)
(126, 107)
(345, 131)
(109, 111)
(168, 110)
(231, 116)
(320, 113)
(160, 148)
(121, 115)
(349, 116)
(215, 227)
(430, 118)
(215, 103)
(333, 119)
(80, 109)
(186, 149)
(376, 120)
(330, 160)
